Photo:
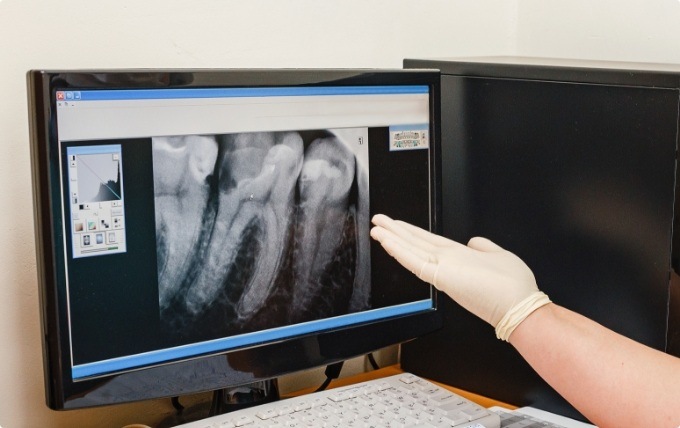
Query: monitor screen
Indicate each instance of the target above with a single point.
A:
(204, 229)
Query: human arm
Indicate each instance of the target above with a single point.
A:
(612, 380)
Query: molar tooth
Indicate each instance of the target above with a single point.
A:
(257, 184)
(325, 182)
(181, 166)
(243, 157)
(280, 169)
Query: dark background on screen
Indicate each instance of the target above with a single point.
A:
(114, 298)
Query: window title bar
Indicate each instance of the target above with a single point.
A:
(155, 94)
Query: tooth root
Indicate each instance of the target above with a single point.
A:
(325, 182)
(280, 169)
(241, 161)
(181, 166)
(257, 186)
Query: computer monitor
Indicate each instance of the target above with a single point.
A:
(205, 229)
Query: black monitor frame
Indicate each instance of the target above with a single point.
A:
(215, 371)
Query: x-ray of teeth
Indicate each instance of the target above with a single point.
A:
(261, 229)
(181, 167)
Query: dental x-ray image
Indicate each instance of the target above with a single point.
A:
(258, 230)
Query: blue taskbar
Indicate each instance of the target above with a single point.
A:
(90, 370)
(246, 92)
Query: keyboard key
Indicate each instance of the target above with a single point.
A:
(339, 396)
(454, 406)
(302, 405)
(408, 379)
(448, 398)
(243, 421)
(267, 414)
(318, 402)
(474, 412)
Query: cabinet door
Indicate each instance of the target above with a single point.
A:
(579, 181)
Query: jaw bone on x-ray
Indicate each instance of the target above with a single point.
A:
(256, 230)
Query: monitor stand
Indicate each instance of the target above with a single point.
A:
(225, 401)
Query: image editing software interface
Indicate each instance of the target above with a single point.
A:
(199, 220)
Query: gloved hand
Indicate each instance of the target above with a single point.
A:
(482, 277)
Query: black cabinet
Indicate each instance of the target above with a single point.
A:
(572, 166)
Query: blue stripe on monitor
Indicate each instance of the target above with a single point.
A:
(154, 94)
(410, 127)
(155, 357)
(93, 150)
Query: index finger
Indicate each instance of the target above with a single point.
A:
(419, 262)
(411, 232)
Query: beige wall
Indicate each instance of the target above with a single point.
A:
(254, 33)
(196, 34)
(620, 30)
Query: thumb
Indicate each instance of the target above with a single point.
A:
(482, 244)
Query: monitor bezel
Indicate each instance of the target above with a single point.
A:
(274, 359)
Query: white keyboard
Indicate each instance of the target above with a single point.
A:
(398, 401)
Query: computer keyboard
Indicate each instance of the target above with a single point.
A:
(403, 400)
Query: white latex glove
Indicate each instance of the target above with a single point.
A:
(482, 277)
